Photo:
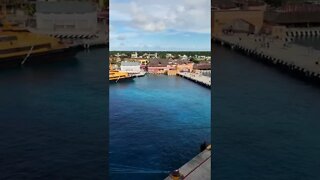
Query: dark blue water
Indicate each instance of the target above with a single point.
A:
(157, 124)
(266, 123)
(53, 120)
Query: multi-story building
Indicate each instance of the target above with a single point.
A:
(158, 66)
(67, 18)
(185, 66)
(237, 16)
(130, 67)
(202, 68)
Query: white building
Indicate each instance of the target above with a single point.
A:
(130, 67)
(184, 57)
(73, 18)
(168, 55)
(155, 55)
(150, 55)
(134, 55)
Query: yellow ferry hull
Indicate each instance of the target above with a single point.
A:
(118, 76)
(38, 57)
(127, 79)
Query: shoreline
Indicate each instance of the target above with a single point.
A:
(202, 80)
(297, 68)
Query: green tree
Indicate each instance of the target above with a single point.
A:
(194, 60)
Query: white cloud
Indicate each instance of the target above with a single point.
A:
(121, 36)
(178, 15)
(146, 21)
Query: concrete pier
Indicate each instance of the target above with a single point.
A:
(299, 60)
(82, 39)
(303, 32)
(198, 78)
(197, 168)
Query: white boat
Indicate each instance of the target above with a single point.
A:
(142, 73)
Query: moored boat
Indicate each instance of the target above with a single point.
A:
(116, 76)
(19, 46)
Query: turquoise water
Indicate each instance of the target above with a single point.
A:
(157, 124)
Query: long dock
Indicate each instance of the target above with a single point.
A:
(299, 60)
(79, 39)
(292, 33)
(197, 168)
(198, 78)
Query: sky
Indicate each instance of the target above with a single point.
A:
(160, 25)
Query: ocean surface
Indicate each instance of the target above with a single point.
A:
(53, 119)
(157, 124)
(266, 123)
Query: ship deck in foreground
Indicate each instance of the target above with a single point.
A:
(197, 168)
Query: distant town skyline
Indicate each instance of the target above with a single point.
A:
(142, 25)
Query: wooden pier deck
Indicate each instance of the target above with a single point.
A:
(197, 168)
(198, 78)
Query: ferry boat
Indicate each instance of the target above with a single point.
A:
(116, 76)
(19, 46)
(140, 74)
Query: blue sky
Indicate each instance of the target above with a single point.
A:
(168, 25)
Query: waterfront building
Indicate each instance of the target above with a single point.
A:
(171, 69)
(245, 17)
(238, 5)
(130, 67)
(294, 20)
(172, 72)
(185, 66)
(295, 15)
(74, 19)
(143, 62)
(203, 68)
(158, 66)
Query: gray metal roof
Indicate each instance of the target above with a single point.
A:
(126, 63)
(67, 7)
(158, 62)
